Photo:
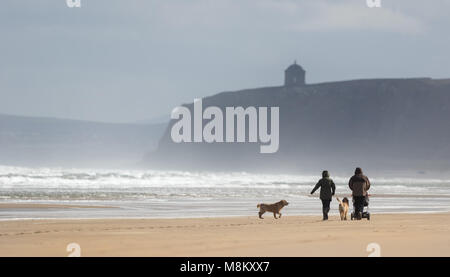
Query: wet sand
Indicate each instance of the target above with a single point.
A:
(34, 206)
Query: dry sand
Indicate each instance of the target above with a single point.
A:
(397, 235)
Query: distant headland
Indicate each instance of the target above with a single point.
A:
(377, 123)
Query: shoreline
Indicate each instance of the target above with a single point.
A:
(318, 214)
(36, 207)
(397, 234)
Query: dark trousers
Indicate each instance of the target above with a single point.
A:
(325, 207)
(359, 204)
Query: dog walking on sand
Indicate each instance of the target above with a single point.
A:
(343, 207)
(273, 208)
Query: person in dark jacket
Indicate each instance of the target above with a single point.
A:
(327, 189)
(359, 184)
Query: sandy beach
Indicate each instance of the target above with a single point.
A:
(397, 235)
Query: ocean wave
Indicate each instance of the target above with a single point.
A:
(25, 182)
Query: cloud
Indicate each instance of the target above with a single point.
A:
(286, 15)
(312, 16)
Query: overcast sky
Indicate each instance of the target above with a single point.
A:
(127, 61)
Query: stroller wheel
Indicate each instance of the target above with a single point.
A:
(368, 216)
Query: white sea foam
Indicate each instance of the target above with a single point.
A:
(151, 193)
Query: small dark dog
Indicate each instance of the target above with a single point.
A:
(273, 208)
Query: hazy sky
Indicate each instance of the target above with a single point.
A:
(126, 61)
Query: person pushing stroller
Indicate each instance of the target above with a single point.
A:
(327, 190)
(359, 184)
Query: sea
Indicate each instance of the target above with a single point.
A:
(181, 194)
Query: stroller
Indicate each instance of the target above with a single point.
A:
(365, 211)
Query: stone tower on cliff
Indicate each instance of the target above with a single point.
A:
(294, 75)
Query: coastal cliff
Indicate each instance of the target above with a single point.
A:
(381, 123)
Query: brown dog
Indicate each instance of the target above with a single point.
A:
(273, 208)
(343, 207)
